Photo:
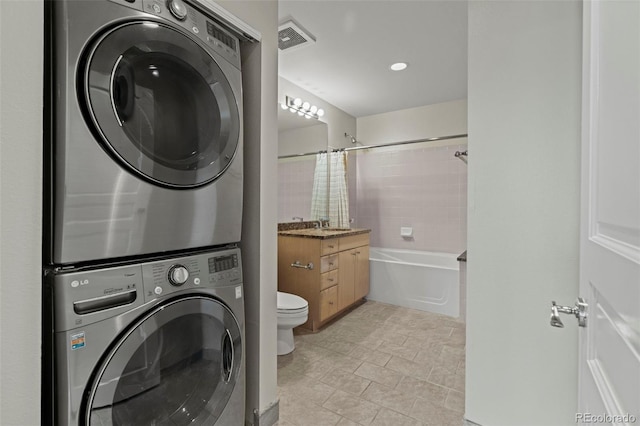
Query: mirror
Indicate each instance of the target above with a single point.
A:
(298, 135)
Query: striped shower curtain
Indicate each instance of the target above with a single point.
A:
(320, 193)
(330, 198)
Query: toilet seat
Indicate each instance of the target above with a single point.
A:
(291, 304)
(293, 312)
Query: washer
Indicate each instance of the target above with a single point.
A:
(146, 149)
(154, 343)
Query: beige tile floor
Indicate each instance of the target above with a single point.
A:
(378, 365)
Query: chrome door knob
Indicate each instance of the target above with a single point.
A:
(579, 311)
(178, 275)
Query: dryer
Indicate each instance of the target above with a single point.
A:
(154, 343)
(146, 149)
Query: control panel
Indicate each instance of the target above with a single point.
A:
(198, 24)
(83, 297)
(216, 269)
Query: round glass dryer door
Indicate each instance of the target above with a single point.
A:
(161, 104)
(178, 365)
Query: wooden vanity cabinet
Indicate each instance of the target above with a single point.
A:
(338, 279)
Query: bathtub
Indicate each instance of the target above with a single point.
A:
(415, 279)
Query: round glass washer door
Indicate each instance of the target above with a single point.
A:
(161, 104)
(177, 365)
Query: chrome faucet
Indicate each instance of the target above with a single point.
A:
(297, 218)
(318, 224)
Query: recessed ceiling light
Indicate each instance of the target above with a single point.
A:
(398, 66)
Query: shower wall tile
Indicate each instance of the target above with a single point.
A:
(421, 187)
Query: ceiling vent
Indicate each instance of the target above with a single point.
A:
(292, 36)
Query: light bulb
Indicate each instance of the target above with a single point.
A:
(306, 106)
(313, 109)
(300, 113)
(292, 109)
(398, 66)
(320, 112)
(297, 102)
(283, 106)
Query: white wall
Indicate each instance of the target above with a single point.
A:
(305, 139)
(443, 119)
(524, 150)
(259, 241)
(21, 103)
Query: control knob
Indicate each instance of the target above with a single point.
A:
(178, 275)
(177, 9)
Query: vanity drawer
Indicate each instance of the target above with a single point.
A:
(353, 241)
(329, 246)
(328, 302)
(328, 279)
(328, 263)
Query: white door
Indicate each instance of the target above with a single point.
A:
(609, 360)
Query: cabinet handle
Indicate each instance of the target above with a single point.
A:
(331, 246)
(297, 264)
(354, 254)
(357, 252)
(331, 279)
(330, 263)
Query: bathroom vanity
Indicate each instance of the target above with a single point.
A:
(328, 267)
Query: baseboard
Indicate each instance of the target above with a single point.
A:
(267, 417)
(466, 422)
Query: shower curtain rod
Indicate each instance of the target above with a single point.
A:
(356, 148)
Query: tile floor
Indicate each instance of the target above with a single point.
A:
(378, 365)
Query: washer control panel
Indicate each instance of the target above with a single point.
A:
(216, 269)
(83, 297)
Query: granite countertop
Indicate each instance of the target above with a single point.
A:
(324, 233)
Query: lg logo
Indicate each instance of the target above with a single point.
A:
(76, 283)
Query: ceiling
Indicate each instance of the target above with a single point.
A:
(357, 41)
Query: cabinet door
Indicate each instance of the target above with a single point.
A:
(346, 278)
(361, 288)
(328, 302)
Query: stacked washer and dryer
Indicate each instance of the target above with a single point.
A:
(144, 307)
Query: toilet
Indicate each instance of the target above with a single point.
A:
(292, 311)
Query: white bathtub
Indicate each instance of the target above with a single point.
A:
(415, 279)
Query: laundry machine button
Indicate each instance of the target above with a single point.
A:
(178, 275)
(158, 290)
(178, 9)
(196, 281)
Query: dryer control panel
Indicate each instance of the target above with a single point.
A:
(193, 21)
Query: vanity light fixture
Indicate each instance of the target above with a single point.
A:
(398, 66)
(302, 108)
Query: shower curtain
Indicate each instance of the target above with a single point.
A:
(320, 194)
(330, 198)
